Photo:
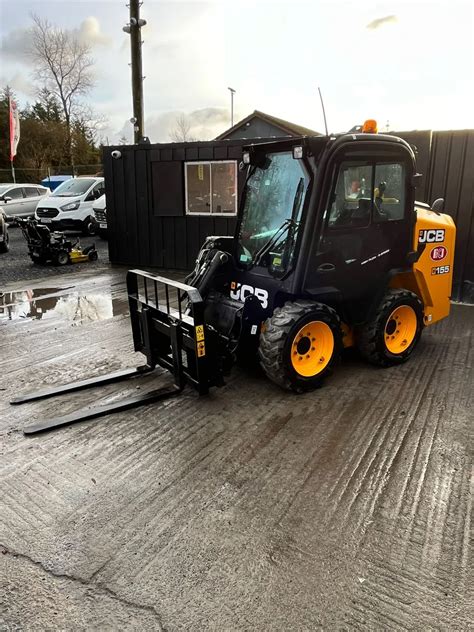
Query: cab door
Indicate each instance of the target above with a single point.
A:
(366, 231)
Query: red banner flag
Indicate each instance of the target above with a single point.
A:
(14, 128)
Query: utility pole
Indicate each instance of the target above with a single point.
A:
(133, 28)
(232, 92)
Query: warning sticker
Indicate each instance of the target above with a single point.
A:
(201, 349)
(199, 332)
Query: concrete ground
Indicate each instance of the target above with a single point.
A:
(250, 509)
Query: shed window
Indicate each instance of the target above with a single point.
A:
(211, 188)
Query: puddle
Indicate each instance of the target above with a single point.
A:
(45, 303)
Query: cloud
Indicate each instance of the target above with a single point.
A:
(90, 33)
(378, 22)
(19, 83)
(204, 124)
(16, 43)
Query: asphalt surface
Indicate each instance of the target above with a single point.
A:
(349, 508)
(16, 264)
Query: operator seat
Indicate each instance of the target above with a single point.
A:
(361, 215)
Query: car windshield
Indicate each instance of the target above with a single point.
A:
(73, 187)
(3, 189)
(274, 198)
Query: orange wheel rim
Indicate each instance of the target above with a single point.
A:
(312, 348)
(400, 329)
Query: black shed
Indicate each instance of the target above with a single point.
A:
(164, 199)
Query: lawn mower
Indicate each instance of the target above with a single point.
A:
(45, 246)
(331, 251)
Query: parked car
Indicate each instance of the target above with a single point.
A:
(69, 207)
(21, 200)
(4, 237)
(99, 213)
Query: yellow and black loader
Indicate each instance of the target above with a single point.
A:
(331, 251)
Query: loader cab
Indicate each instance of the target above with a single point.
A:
(327, 217)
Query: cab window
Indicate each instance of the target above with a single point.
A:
(97, 191)
(366, 193)
(389, 193)
(352, 197)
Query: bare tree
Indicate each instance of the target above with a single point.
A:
(63, 65)
(181, 132)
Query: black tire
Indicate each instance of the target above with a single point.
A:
(62, 258)
(88, 227)
(93, 256)
(278, 342)
(374, 336)
(4, 246)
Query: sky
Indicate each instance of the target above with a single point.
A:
(408, 64)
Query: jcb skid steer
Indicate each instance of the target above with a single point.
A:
(331, 251)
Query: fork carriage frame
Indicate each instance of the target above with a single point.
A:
(171, 333)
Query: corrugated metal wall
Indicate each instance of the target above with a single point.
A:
(142, 234)
(452, 178)
(446, 160)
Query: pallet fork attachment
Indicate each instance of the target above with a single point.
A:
(168, 327)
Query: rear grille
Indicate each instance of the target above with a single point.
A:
(47, 212)
(100, 216)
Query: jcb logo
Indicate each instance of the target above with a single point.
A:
(430, 236)
(240, 292)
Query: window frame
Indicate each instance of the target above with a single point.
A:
(210, 213)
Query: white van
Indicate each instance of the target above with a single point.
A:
(69, 207)
(99, 213)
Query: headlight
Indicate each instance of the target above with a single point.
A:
(72, 206)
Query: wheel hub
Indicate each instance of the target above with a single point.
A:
(312, 348)
(400, 330)
(303, 345)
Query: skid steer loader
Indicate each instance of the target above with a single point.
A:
(331, 251)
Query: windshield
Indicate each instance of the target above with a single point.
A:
(73, 187)
(271, 218)
(3, 189)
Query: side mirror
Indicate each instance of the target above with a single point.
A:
(5, 198)
(438, 205)
(416, 179)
